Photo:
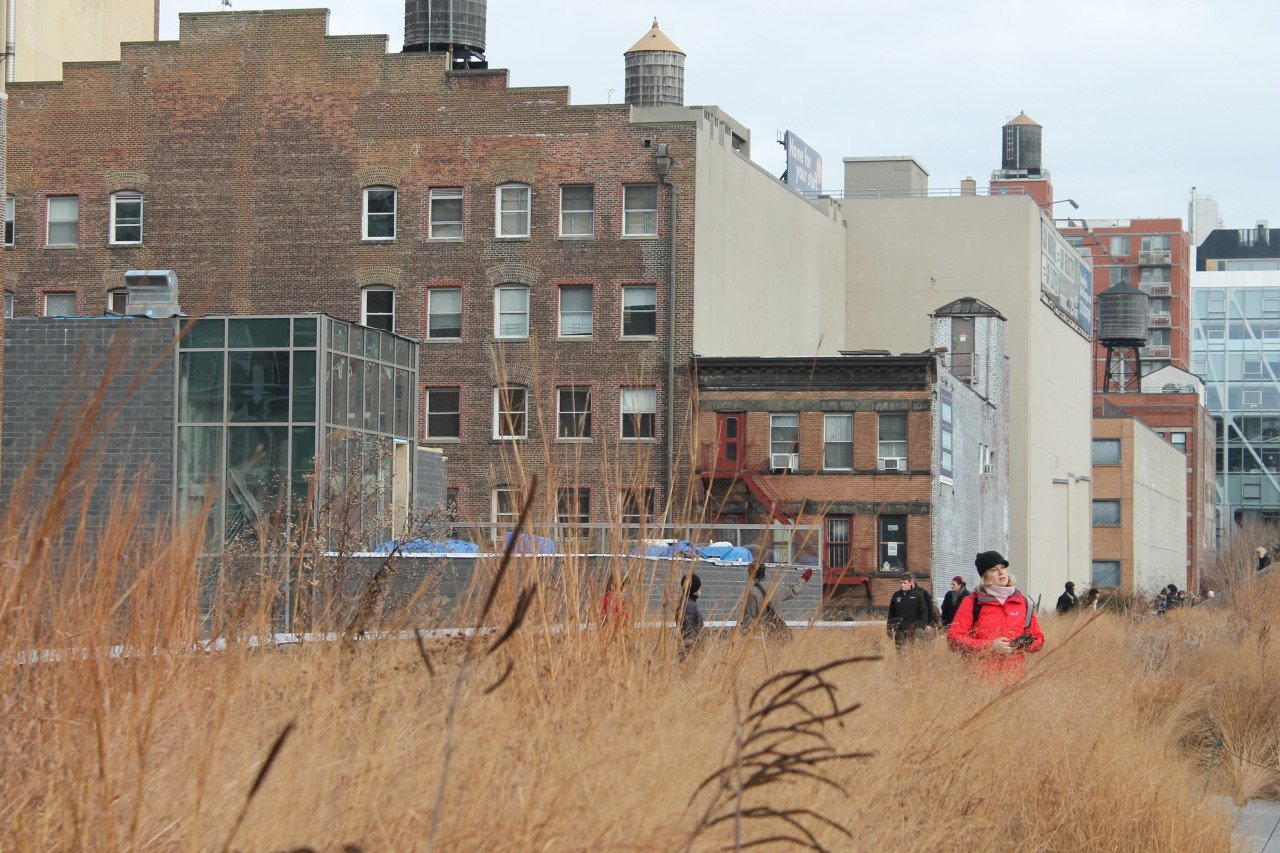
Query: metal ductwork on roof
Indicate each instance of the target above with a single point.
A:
(447, 26)
(151, 293)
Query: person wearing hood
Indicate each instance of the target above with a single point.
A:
(999, 628)
(757, 610)
(1068, 601)
(690, 616)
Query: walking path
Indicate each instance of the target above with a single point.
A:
(1258, 826)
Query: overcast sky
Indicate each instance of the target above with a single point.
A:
(1140, 99)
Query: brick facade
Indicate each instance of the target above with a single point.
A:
(252, 140)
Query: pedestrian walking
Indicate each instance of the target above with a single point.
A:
(1068, 601)
(1093, 598)
(758, 609)
(951, 601)
(690, 615)
(910, 613)
(1000, 627)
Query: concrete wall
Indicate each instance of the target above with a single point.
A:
(53, 367)
(884, 175)
(971, 513)
(768, 264)
(51, 32)
(908, 256)
(1159, 511)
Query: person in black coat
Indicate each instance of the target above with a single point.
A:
(951, 601)
(1068, 601)
(910, 612)
(1264, 559)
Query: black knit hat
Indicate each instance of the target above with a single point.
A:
(988, 560)
(691, 584)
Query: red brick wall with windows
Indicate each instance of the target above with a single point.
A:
(255, 135)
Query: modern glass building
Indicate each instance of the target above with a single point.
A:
(1236, 351)
(264, 404)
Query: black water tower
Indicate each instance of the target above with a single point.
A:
(447, 26)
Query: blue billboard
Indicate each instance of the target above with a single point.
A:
(804, 165)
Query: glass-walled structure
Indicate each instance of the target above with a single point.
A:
(1236, 351)
(265, 404)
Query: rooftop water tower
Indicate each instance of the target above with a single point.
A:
(456, 27)
(1021, 137)
(1122, 329)
(655, 71)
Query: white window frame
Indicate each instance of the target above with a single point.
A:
(498, 213)
(445, 194)
(828, 442)
(509, 518)
(624, 412)
(560, 412)
(498, 331)
(60, 293)
(590, 211)
(49, 221)
(1178, 440)
(10, 219)
(786, 459)
(118, 294)
(590, 313)
(8, 304)
(900, 463)
(365, 314)
(116, 198)
(1252, 367)
(431, 294)
(623, 319)
(394, 214)
(498, 435)
(627, 212)
(426, 424)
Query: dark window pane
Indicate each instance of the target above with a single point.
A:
(204, 334)
(200, 387)
(265, 332)
(404, 404)
(258, 386)
(337, 389)
(200, 476)
(378, 301)
(301, 468)
(382, 201)
(304, 385)
(257, 470)
(304, 332)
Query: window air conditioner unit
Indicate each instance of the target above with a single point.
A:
(893, 463)
(784, 461)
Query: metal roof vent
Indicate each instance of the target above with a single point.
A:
(151, 293)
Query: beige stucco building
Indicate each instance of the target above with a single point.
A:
(48, 33)
(909, 250)
(1139, 506)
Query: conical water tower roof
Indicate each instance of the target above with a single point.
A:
(1022, 118)
(655, 39)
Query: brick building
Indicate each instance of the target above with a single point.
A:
(902, 461)
(541, 252)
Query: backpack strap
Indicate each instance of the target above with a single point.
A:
(977, 607)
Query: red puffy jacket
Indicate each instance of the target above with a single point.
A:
(995, 619)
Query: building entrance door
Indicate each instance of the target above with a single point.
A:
(730, 427)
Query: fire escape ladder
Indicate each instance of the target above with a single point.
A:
(761, 490)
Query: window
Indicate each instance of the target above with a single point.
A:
(10, 208)
(986, 459)
(379, 309)
(1251, 491)
(639, 413)
(838, 551)
(639, 311)
(8, 304)
(444, 313)
(1178, 440)
(1154, 275)
(117, 301)
(444, 417)
(640, 210)
(126, 218)
(510, 412)
(511, 311)
(379, 213)
(1106, 451)
(1218, 303)
(784, 442)
(1252, 367)
(893, 542)
(1125, 274)
(1106, 573)
(451, 503)
(505, 508)
(573, 413)
(1119, 246)
(513, 211)
(946, 437)
(1155, 243)
(575, 311)
(638, 504)
(63, 221)
(446, 214)
(1106, 513)
(573, 509)
(59, 305)
(837, 438)
(892, 450)
(577, 211)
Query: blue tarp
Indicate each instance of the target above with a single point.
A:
(726, 554)
(530, 544)
(421, 547)
(682, 548)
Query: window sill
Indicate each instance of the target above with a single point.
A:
(499, 439)
(638, 237)
(62, 246)
(445, 239)
(519, 238)
(571, 440)
(637, 337)
(574, 337)
(638, 440)
(442, 340)
(576, 238)
(377, 240)
(443, 440)
(524, 339)
(111, 245)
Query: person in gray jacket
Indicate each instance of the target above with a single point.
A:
(690, 616)
(756, 611)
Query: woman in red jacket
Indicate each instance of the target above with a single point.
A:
(995, 625)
